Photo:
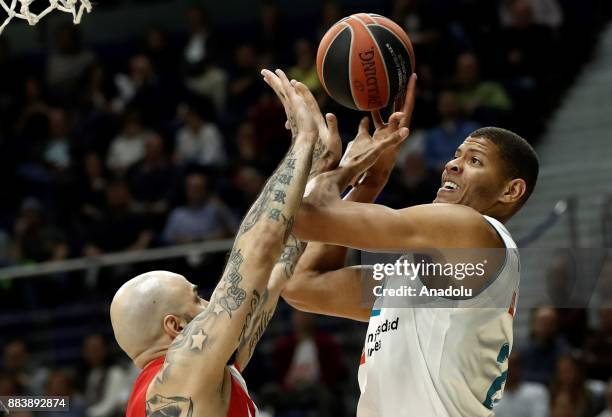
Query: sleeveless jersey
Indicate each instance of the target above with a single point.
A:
(442, 362)
(240, 404)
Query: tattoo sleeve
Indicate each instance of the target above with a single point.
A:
(262, 308)
(240, 308)
(160, 406)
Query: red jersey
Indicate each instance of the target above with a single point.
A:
(240, 404)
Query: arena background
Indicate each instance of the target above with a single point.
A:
(98, 181)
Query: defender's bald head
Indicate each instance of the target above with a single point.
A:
(140, 306)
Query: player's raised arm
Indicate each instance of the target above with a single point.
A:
(324, 217)
(264, 307)
(204, 346)
(320, 274)
(326, 155)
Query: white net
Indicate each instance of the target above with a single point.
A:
(21, 9)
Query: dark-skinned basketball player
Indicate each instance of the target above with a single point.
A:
(445, 359)
(183, 342)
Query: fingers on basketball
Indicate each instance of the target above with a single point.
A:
(408, 106)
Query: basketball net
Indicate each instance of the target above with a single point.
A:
(21, 9)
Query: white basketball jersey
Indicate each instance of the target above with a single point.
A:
(441, 362)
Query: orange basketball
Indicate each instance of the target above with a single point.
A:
(364, 61)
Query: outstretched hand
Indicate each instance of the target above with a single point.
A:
(299, 116)
(378, 175)
(329, 146)
(364, 151)
(406, 107)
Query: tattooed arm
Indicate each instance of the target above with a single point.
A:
(320, 274)
(262, 308)
(196, 359)
(325, 156)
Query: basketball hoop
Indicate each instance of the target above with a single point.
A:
(74, 7)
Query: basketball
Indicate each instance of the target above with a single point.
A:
(364, 61)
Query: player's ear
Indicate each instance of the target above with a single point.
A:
(173, 325)
(514, 191)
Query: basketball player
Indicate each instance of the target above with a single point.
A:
(420, 361)
(184, 343)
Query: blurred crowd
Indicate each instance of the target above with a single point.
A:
(308, 375)
(563, 370)
(167, 139)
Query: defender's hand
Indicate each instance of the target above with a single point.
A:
(298, 114)
(329, 145)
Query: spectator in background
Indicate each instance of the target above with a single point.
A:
(103, 381)
(248, 181)
(94, 91)
(272, 137)
(539, 357)
(36, 239)
(562, 406)
(67, 63)
(608, 411)
(305, 68)
(422, 27)
(129, 146)
(526, 44)
(32, 130)
(251, 150)
(426, 98)
(585, 395)
(521, 399)
(528, 65)
(26, 378)
(211, 83)
(120, 228)
(138, 85)
(244, 87)
(199, 47)
(60, 383)
(442, 141)
(203, 217)
(308, 368)
(162, 56)
(90, 193)
(417, 183)
(199, 140)
(545, 12)
(153, 181)
(331, 12)
(203, 74)
(249, 168)
(484, 101)
(271, 36)
(598, 347)
(57, 152)
(9, 386)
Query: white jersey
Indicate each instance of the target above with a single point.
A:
(441, 362)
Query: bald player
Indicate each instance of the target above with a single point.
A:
(183, 342)
(442, 359)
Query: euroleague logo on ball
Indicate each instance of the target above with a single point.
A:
(364, 61)
(371, 82)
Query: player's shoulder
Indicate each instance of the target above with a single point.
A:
(457, 213)
(480, 231)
